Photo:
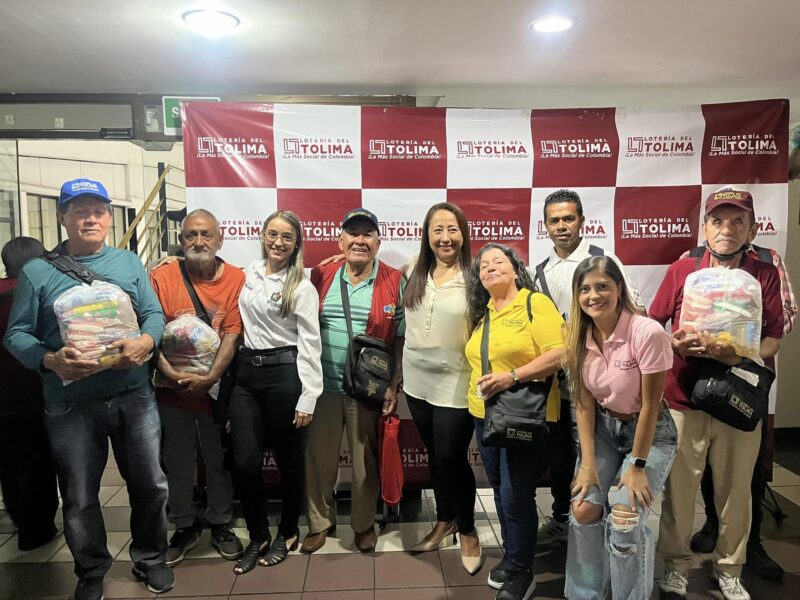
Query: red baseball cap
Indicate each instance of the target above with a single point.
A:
(729, 197)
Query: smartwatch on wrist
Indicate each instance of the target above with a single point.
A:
(637, 462)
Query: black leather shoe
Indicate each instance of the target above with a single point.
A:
(761, 564)
(705, 540)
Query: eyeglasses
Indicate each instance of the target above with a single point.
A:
(286, 238)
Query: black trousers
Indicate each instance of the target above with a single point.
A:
(758, 487)
(28, 479)
(261, 410)
(563, 447)
(447, 433)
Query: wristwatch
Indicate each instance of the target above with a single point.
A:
(514, 376)
(637, 462)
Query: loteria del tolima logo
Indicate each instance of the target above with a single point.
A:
(656, 228)
(325, 148)
(575, 148)
(402, 150)
(747, 144)
(660, 146)
(491, 149)
(227, 147)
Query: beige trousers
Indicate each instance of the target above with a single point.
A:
(732, 454)
(333, 415)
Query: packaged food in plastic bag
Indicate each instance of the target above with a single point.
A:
(189, 345)
(727, 304)
(91, 317)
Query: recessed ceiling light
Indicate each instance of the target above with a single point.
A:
(211, 23)
(552, 24)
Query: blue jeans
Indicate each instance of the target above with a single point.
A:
(513, 474)
(601, 552)
(79, 434)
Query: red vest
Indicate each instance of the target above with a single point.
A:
(385, 294)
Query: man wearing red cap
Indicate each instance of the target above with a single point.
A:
(727, 226)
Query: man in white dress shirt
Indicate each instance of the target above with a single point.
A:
(563, 218)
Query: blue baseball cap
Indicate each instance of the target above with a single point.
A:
(83, 187)
(360, 214)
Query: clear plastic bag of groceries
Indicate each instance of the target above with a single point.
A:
(91, 317)
(189, 345)
(727, 304)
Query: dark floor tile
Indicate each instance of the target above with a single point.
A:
(439, 593)
(285, 577)
(196, 577)
(761, 588)
(789, 527)
(454, 573)
(340, 572)
(297, 596)
(50, 580)
(483, 592)
(340, 595)
(399, 569)
(121, 583)
(789, 460)
(117, 518)
(786, 552)
(13, 577)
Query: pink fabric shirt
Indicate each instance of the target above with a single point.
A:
(613, 377)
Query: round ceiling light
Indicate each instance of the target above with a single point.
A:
(552, 24)
(211, 23)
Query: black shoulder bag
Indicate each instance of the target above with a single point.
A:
(220, 405)
(738, 395)
(369, 363)
(516, 418)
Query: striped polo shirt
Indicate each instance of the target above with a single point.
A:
(333, 326)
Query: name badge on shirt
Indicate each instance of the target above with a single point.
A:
(626, 365)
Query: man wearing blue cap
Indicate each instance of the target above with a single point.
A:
(373, 305)
(85, 407)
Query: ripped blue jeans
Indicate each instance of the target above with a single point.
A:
(602, 552)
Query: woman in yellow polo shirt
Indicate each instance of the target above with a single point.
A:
(520, 349)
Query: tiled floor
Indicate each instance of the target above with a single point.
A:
(337, 572)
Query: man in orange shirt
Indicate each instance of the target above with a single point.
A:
(184, 401)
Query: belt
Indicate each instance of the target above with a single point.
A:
(625, 418)
(273, 356)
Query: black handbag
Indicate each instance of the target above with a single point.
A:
(517, 417)
(369, 362)
(738, 395)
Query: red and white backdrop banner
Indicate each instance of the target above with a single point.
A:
(642, 175)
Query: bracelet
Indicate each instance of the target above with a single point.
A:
(587, 468)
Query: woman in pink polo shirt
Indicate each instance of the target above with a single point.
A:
(617, 361)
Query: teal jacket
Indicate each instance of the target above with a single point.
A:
(33, 327)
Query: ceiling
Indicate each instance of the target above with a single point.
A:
(469, 52)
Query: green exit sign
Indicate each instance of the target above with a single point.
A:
(172, 111)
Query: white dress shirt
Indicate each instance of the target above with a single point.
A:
(559, 271)
(264, 328)
(435, 368)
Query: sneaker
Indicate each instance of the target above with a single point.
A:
(226, 543)
(731, 587)
(180, 543)
(760, 563)
(90, 588)
(158, 578)
(673, 586)
(552, 531)
(519, 585)
(498, 575)
(705, 540)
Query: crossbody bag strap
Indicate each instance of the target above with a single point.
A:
(66, 263)
(542, 280)
(485, 345)
(199, 309)
(346, 303)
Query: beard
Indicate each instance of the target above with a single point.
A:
(199, 259)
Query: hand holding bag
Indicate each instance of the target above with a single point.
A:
(517, 417)
(369, 362)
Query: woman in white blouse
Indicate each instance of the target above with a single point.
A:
(436, 374)
(278, 381)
